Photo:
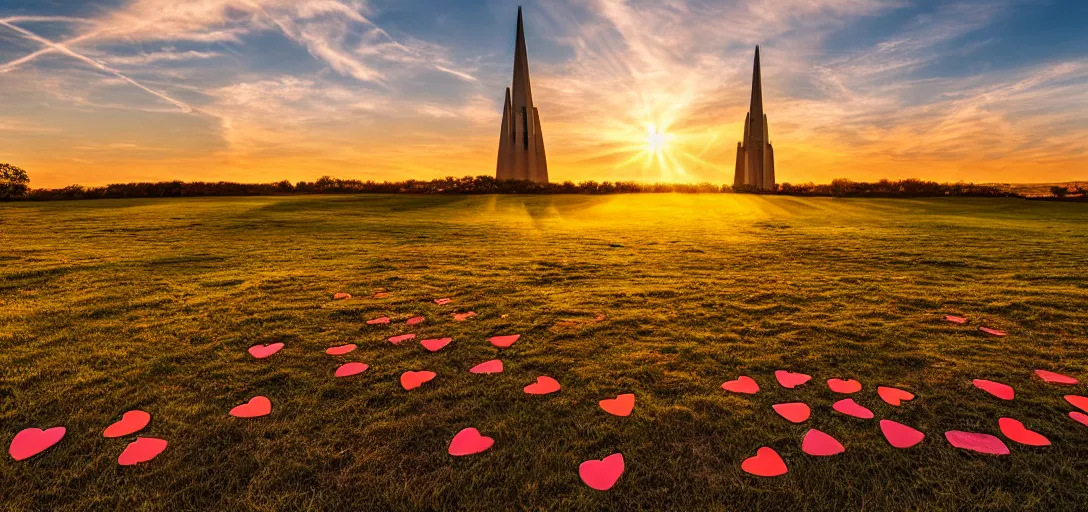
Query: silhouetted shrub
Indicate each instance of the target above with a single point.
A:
(14, 182)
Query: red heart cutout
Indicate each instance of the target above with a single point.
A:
(743, 384)
(263, 351)
(381, 295)
(982, 443)
(397, 340)
(341, 350)
(412, 380)
(766, 462)
(955, 319)
(1079, 417)
(469, 442)
(819, 444)
(416, 320)
(1018, 432)
(791, 380)
(350, 369)
(599, 318)
(1002, 391)
(1056, 378)
(602, 474)
(845, 387)
(257, 406)
(488, 367)
(436, 345)
(796, 412)
(1079, 402)
(33, 441)
(461, 317)
(543, 386)
(443, 302)
(504, 341)
(379, 321)
(341, 296)
(894, 396)
(993, 332)
(142, 449)
(900, 435)
(131, 423)
(620, 406)
(851, 408)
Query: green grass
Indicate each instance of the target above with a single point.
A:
(107, 306)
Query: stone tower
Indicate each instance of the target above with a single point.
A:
(521, 142)
(755, 155)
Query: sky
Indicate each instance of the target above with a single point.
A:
(95, 92)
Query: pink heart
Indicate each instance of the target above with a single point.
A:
(469, 442)
(142, 449)
(791, 380)
(602, 474)
(894, 396)
(436, 345)
(982, 443)
(1079, 402)
(900, 435)
(845, 387)
(341, 296)
(397, 340)
(796, 412)
(379, 321)
(1018, 432)
(599, 318)
(443, 302)
(131, 422)
(993, 332)
(851, 408)
(341, 350)
(766, 462)
(1002, 391)
(33, 441)
(257, 406)
(504, 341)
(955, 319)
(263, 351)
(350, 369)
(620, 406)
(488, 367)
(819, 444)
(1056, 378)
(413, 380)
(381, 295)
(743, 384)
(543, 386)
(415, 320)
(461, 317)
(1079, 417)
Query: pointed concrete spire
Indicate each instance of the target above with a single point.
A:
(755, 158)
(523, 158)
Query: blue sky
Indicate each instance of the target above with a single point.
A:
(262, 90)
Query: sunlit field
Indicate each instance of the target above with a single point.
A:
(109, 306)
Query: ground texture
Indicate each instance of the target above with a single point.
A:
(151, 304)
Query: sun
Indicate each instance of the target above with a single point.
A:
(657, 141)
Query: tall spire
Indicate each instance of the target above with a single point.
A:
(755, 156)
(522, 156)
(523, 92)
(756, 108)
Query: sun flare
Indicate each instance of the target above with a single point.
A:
(657, 141)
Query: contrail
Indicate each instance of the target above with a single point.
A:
(102, 67)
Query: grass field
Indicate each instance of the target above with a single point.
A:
(109, 306)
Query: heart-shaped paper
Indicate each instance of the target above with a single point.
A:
(131, 422)
(33, 441)
(743, 384)
(602, 474)
(142, 449)
(1079, 417)
(599, 318)
(766, 462)
(1002, 391)
(504, 341)
(851, 408)
(1079, 402)
(791, 380)
(982, 443)
(620, 406)
(469, 442)
(379, 321)
(381, 295)
(397, 340)
(413, 380)
(900, 435)
(436, 345)
(443, 302)
(819, 444)
(796, 412)
(263, 351)
(955, 319)
(543, 386)
(350, 369)
(844, 387)
(1056, 378)
(415, 320)
(1016, 431)
(257, 406)
(341, 296)
(341, 350)
(494, 366)
(894, 396)
(994, 332)
(461, 317)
